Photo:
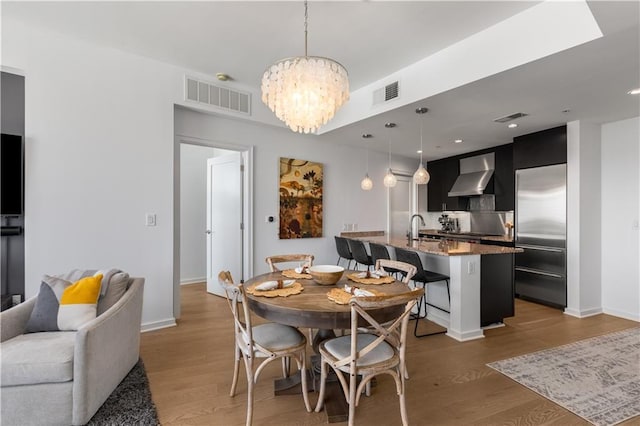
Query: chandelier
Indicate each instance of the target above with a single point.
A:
(421, 176)
(305, 91)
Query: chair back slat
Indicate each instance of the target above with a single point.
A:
(408, 271)
(273, 261)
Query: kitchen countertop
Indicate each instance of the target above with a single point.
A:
(468, 235)
(444, 247)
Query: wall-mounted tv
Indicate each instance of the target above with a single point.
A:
(11, 175)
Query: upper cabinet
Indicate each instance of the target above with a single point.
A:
(503, 185)
(543, 148)
(443, 175)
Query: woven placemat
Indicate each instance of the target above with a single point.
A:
(294, 288)
(382, 280)
(291, 273)
(341, 297)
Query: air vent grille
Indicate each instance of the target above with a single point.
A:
(510, 117)
(208, 93)
(386, 93)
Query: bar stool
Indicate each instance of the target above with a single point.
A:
(424, 277)
(379, 251)
(360, 254)
(344, 252)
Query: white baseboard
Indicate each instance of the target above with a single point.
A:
(157, 325)
(583, 313)
(187, 281)
(622, 314)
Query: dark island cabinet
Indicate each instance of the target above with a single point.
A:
(504, 178)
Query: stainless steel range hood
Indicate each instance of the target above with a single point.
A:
(475, 173)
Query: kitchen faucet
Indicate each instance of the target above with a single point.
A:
(410, 232)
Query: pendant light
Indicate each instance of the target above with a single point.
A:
(366, 183)
(421, 176)
(390, 179)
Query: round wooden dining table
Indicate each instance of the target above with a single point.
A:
(311, 308)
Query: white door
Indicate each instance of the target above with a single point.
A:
(400, 206)
(224, 219)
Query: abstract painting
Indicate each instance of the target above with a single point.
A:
(300, 199)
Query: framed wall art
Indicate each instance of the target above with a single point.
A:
(300, 199)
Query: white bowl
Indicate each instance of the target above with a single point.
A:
(326, 274)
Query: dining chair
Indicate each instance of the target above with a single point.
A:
(344, 252)
(270, 341)
(423, 277)
(380, 251)
(360, 254)
(273, 261)
(369, 354)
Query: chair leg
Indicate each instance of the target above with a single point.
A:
(423, 302)
(248, 362)
(236, 367)
(286, 366)
(353, 385)
(323, 378)
(302, 367)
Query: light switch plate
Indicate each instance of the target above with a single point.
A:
(150, 219)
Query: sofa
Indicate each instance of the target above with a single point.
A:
(64, 377)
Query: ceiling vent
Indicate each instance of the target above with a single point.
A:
(207, 93)
(510, 117)
(386, 93)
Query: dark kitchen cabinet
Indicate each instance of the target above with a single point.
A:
(504, 186)
(443, 175)
(543, 148)
(497, 290)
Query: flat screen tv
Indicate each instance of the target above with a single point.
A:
(11, 175)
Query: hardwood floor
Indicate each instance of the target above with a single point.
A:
(190, 371)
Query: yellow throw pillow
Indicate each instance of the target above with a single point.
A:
(78, 303)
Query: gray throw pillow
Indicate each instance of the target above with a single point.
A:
(44, 316)
(116, 287)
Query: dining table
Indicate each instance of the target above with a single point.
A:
(311, 308)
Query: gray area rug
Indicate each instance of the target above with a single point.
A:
(130, 403)
(598, 379)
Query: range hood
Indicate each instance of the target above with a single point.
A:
(475, 173)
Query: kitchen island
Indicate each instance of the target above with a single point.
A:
(481, 281)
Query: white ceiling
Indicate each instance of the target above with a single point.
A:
(373, 40)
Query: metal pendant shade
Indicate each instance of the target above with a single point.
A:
(305, 91)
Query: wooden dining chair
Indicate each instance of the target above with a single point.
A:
(273, 261)
(369, 354)
(270, 341)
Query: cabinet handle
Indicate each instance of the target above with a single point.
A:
(535, 271)
(541, 248)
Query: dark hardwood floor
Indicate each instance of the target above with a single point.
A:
(190, 371)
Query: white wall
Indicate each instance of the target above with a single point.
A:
(584, 219)
(193, 209)
(344, 168)
(620, 212)
(100, 148)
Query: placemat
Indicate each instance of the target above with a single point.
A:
(294, 288)
(382, 280)
(341, 297)
(291, 273)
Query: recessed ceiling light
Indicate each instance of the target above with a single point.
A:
(222, 76)
(458, 141)
(419, 151)
(367, 135)
(512, 125)
(634, 91)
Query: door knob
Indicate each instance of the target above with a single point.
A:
(208, 231)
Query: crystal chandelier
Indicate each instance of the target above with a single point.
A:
(366, 183)
(421, 176)
(390, 179)
(305, 91)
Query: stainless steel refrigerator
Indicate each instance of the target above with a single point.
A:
(541, 230)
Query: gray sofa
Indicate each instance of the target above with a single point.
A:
(63, 377)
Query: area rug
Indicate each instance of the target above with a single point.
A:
(597, 379)
(130, 403)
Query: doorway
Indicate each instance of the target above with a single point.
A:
(191, 221)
